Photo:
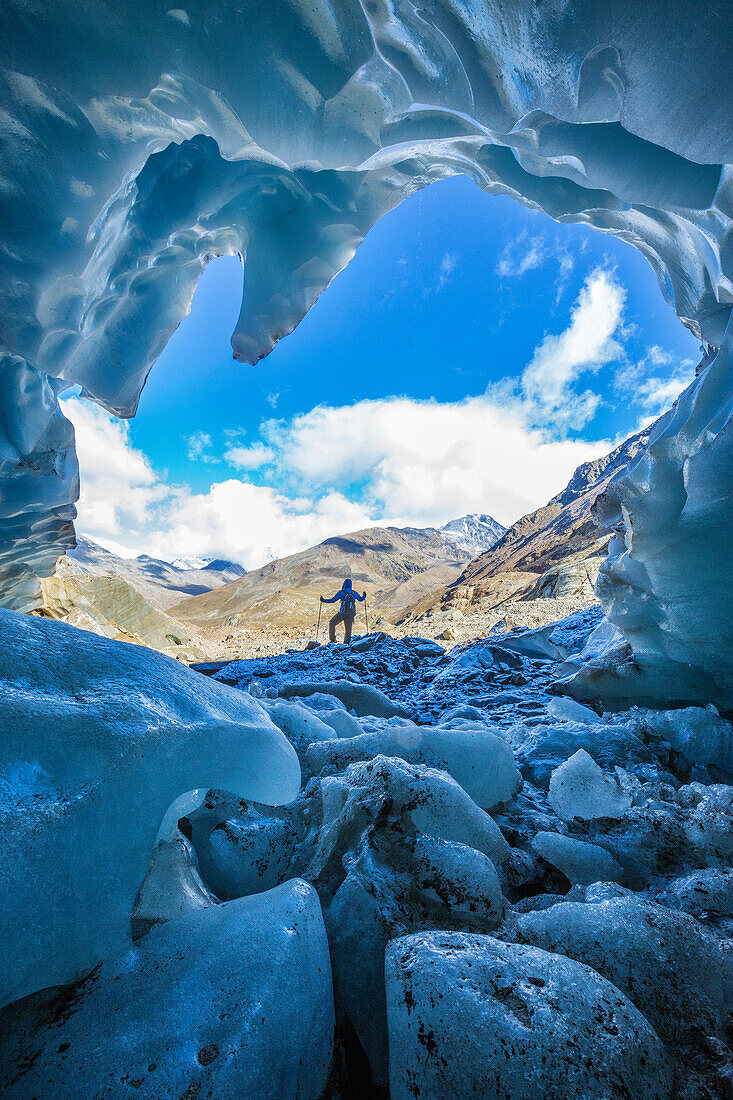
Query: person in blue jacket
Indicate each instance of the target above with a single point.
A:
(346, 612)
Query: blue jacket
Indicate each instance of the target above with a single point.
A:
(345, 595)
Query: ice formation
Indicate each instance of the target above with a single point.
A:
(199, 896)
(579, 788)
(98, 738)
(142, 142)
(478, 759)
(140, 800)
(178, 1015)
(516, 1015)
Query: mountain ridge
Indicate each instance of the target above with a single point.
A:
(161, 582)
(397, 565)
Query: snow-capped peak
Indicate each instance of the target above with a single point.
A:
(191, 563)
(475, 533)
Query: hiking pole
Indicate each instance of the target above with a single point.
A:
(366, 614)
(320, 605)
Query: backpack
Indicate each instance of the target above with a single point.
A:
(348, 604)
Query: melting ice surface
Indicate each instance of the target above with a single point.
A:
(142, 142)
(466, 855)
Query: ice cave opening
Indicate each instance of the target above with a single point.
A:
(446, 878)
(148, 178)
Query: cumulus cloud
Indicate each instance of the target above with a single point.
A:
(249, 458)
(127, 507)
(414, 462)
(424, 462)
(545, 394)
(118, 483)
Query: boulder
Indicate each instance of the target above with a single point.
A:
(232, 1001)
(470, 1016)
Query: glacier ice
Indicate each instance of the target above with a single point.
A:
(180, 1015)
(706, 894)
(698, 734)
(580, 862)
(300, 725)
(579, 788)
(568, 710)
(342, 723)
(677, 973)
(480, 760)
(361, 699)
(472, 1016)
(172, 887)
(540, 751)
(242, 847)
(98, 738)
(392, 848)
(139, 143)
(387, 892)
(283, 138)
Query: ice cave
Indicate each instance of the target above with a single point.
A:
(359, 881)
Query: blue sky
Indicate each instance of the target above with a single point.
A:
(467, 358)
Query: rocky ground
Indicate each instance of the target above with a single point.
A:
(450, 626)
(609, 918)
(448, 880)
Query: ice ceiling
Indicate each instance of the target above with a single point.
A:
(140, 141)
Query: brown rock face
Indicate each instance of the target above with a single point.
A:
(554, 539)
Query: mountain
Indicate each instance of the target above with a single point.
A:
(108, 605)
(190, 563)
(543, 567)
(397, 566)
(160, 582)
(474, 533)
(556, 534)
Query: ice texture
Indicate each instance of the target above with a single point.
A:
(141, 142)
(362, 699)
(391, 847)
(478, 759)
(699, 734)
(579, 788)
(171, 888)
(200, 1006)
(676, 973)
(98, 739)
(300, 725)
(581, 863)
(472, 1016)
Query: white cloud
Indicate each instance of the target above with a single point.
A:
(545, 394)
(198, 448)
(118, 484)
(418, 462)
(128, 508)
(655, 382)
(447, 267)
(521, 255)
(249, 458)
(528, 253)
(253, 523)
(424, 462)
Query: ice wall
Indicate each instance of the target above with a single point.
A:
(140, 141)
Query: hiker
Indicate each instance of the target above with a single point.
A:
(346, 612)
